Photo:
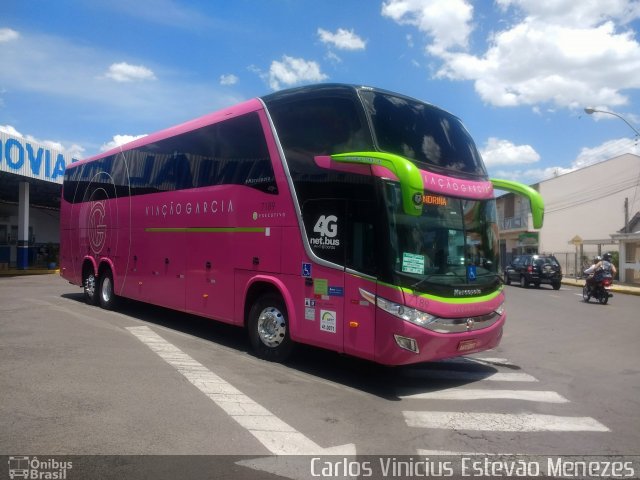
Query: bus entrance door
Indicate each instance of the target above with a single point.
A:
(359, 316)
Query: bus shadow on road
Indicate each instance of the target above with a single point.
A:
(217, 332)
(390, 383)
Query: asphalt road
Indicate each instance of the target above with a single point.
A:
(77, 380)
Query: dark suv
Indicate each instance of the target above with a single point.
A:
(534, 269)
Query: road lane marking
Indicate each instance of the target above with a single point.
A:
(471, 376)
(484, 394)
(276, 435)
(502, 422)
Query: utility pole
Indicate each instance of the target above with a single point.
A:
(626, 214)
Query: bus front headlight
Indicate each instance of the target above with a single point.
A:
(403, 312)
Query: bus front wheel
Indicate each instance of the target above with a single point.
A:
(269, 328)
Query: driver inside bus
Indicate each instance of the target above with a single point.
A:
(420, 247)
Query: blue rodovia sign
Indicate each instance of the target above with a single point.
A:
(30, 159)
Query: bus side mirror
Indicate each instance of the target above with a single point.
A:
(535, 199)
(409, 176)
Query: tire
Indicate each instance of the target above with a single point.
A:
(268, 325)
(604, 297)
(507, 279)
(90, 286)
(523, 282)
(585, 295)
(106, 294)
(556, 285)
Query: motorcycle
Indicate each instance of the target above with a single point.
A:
(600, 289)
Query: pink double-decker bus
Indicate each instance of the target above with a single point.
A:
(345, 217)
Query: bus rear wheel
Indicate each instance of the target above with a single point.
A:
(268, 325)
(107, 295)
(90, 286)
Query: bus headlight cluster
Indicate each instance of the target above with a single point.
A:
(440, 324)
(412, 315)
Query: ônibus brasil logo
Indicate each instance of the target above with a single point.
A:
(97, 227)
(34, 468)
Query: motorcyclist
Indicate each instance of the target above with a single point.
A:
(589, 272)
(601, 265)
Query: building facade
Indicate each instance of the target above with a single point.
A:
(587, 212)
(30, 186)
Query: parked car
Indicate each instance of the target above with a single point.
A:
(534, 269)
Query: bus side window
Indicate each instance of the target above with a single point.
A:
(242, 155)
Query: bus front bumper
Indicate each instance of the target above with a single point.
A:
(399, 342)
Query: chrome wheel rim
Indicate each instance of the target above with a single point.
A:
(90, 285)
(107, 289)
(271, 327)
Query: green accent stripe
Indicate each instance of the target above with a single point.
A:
(452, 300)
(207, 230)
(459, 301)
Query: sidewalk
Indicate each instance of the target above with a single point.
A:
(616, 287)
(14, 272)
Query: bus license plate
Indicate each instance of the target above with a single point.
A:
(466, 345)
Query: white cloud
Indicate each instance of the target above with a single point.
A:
(605, 151)
(7, 35)
(229, 79)
(446, 22)
(291, 71)
(343, 39)
(535, 63)
(570, 12)
(10, 130)
(74, 151)
(504, 152)
(124, 72)
(118, 140)
(565, 53)
(586, 157)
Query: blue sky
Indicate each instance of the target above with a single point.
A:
(82, 76)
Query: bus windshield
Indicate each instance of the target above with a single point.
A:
(451, 248)
(425, 134)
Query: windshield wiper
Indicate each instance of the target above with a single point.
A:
(424, 280)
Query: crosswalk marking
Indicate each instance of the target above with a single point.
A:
(480, 360)
(502, 422)
(274, 434)
(523, 422)
(485, 394)
(471, 376)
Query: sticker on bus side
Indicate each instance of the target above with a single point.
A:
(328, 321)
(321, 286)
(306, 270)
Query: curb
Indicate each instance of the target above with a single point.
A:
(35, 271)
(615, 288)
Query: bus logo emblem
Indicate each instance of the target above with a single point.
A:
(97, 227)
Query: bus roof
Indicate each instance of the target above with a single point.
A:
(249, 106)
